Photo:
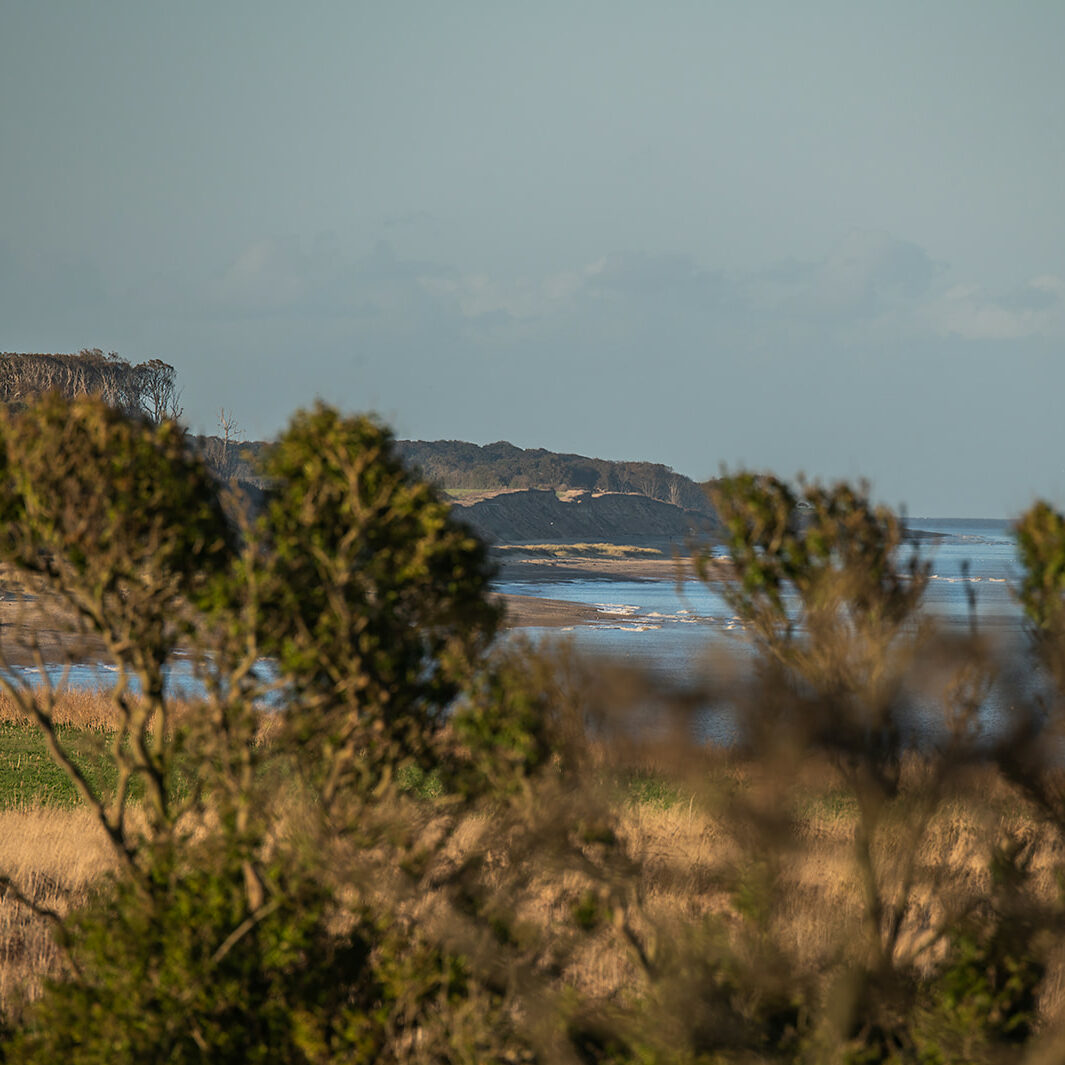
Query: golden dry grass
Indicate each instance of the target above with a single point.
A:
(52, 855)
(78, 707)
(689, 854)
(691, 858)
(95, 709)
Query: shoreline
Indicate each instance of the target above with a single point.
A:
(531, 611)
(57, 643)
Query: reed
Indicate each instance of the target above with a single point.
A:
(685, 857)
(53, 855)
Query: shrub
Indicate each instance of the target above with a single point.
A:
(184, 972)
(110, 518)
(219, 938)
(374, 600)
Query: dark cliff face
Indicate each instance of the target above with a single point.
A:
(538, 515)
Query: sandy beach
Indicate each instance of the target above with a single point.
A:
(532, 611)
(527, 610)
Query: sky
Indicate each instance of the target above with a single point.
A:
(822, 237)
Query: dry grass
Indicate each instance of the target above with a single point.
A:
(78, 707)
(95, 709)
(690, 853)
(692, 857)
(52, 855)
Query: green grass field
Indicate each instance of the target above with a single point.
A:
(29, 776)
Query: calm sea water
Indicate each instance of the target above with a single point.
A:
(676, 632)
(180, 677)
(672, 631)
(974, 568)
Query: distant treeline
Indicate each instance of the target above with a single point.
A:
(455, 464)
(145, 389)
(149, 389)
(232, 459)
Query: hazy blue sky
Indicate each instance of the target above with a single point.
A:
(817, 236)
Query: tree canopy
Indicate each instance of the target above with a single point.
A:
(146, 389)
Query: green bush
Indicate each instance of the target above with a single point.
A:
(182, 971)
(374, 601)
(219, 938)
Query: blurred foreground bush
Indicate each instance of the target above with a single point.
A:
(438, 848)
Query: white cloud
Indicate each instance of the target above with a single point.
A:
(618, 276)
(868, 274)
(868, 269)
(640, 274)
(1037, 309)
(870, 285)
(283, 276)
(272, 274)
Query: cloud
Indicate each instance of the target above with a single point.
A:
(1037, 309)
(482, 296)
(622, 278)
(641, 274)
(870, 287)
(272, 274)
(868, 274)
(282, 276)
(868, 270)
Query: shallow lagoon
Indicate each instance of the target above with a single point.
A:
(973, 563)
(678, 631)
(675, 631)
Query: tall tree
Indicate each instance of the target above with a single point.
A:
(146, 389)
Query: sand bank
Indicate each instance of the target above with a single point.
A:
(527, 610)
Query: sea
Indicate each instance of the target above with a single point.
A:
(678, 632)
(974, 567)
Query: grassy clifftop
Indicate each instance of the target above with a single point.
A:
(613, 517)
(511, 494)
